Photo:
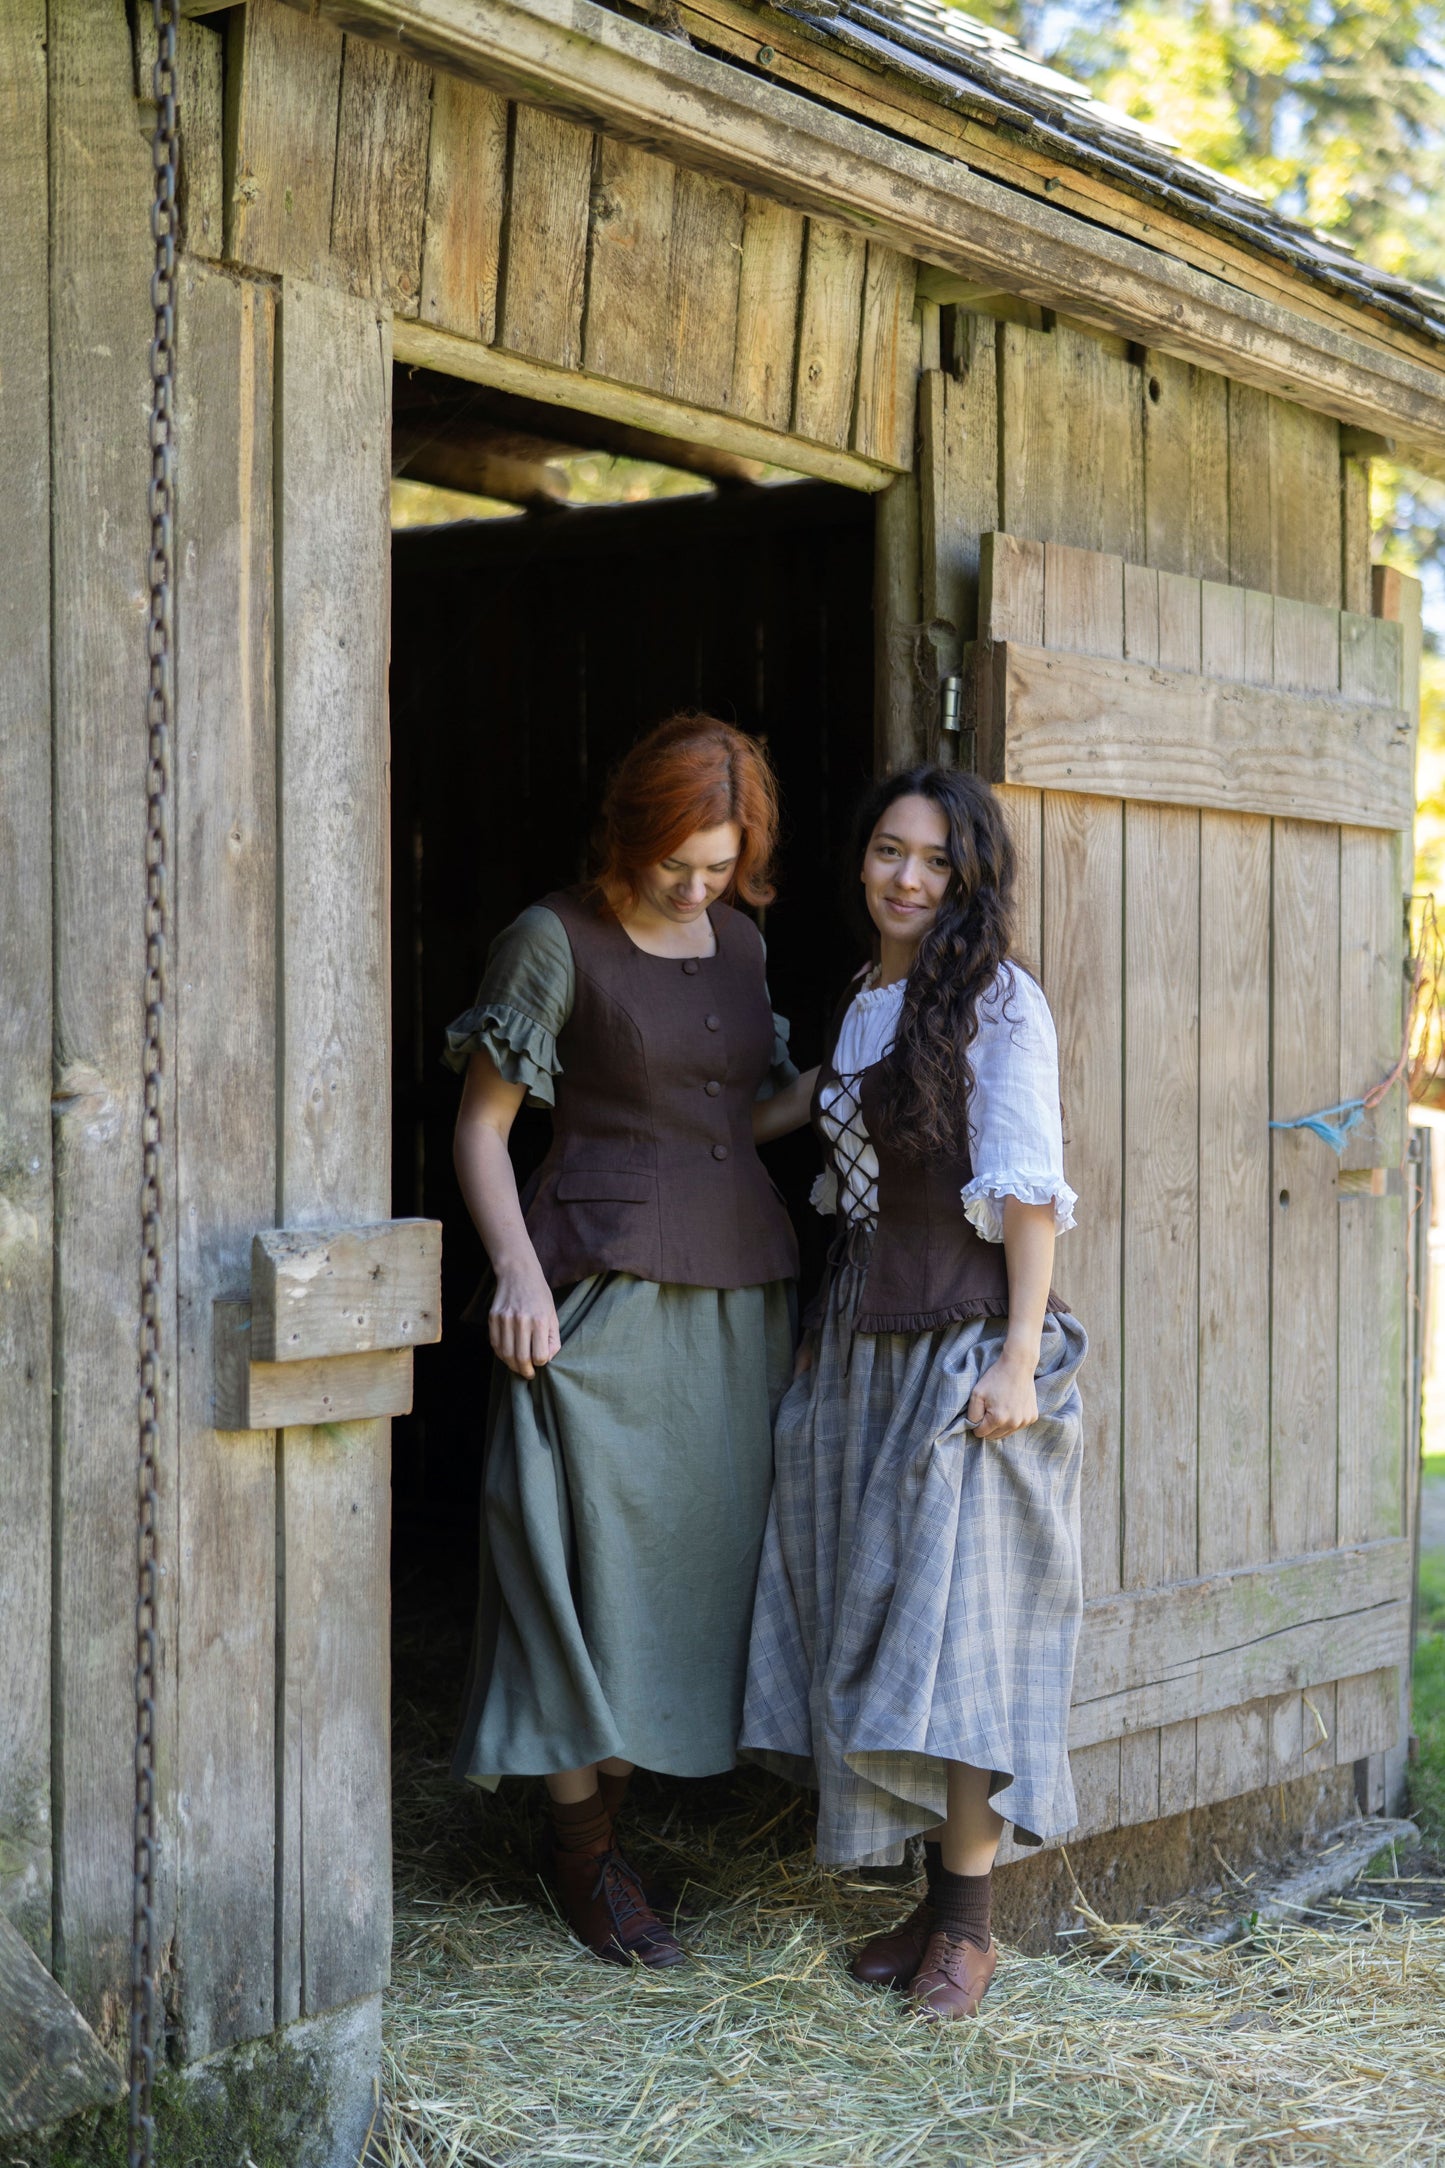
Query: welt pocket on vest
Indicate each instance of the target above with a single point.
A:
(588, 1185)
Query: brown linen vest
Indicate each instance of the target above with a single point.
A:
(652, 1168)
(928, 1265)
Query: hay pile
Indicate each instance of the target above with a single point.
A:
(1317, 2043)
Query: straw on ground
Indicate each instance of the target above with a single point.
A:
(1307, 2044)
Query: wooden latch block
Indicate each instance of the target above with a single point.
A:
(327, 1332)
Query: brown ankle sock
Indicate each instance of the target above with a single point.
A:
(584, 1827)
(932, 1864)
(962, 1904)
(613, 1789)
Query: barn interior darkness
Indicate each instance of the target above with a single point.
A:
(530, 647)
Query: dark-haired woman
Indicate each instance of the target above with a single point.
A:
(919, 1597)
(641, 1315)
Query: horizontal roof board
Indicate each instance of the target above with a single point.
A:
(968, 67)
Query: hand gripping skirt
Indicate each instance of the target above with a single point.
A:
(919, 1595)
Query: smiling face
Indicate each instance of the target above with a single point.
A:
(906, 876)
(696, 874)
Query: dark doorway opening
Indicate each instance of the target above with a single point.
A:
(527, 654)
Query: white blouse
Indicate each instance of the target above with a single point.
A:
(1015, 1129)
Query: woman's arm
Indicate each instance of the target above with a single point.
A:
(786, 1111)
(1004, 1399)
(523, 1322)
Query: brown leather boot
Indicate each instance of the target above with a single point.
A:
(604, 1906)
(891, 1960)
(953, 1978)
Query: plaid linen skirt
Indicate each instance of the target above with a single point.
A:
(919, 1595)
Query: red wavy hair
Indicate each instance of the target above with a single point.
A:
(691, 772)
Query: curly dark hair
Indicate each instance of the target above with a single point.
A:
(926, 1077)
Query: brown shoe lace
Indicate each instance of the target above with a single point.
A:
(617, 1884)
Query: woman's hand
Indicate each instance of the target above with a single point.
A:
(1004, 1399)
(522, 1322)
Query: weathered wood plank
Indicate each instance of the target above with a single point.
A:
(201, 184)
(1011, 589)
(51, 2064)
(333, 1096)
(251, 1395)
(283, 84)
(26, 1215)
(346, 1290)
(1180, 621)
(828, 332)
(888, 360)
(546, 244)
(226, 1171)
(958, 436)
(1141, 614)
(1071, 441)
(1234, 1211)
(586, 394)
(1372, 1229)
(769, 286)
(1186, 467)
(378, 212)
(1166, 1654)
(629, 244)
(1138, 1777)
(1304, 500)
(901, 720)
(1083, 600)
(1160, 1298)
(1178, 1749)
(1088, 723)
(1251, 546)
(1355, 535)
(1084, 980)
(1095, 1771)
(1023, 810)
(1306, 646)
(704, 264)
(1367, 1713)
(466, 193)
(101, 263)
(1285, 1718)
(1232, 1752)
(1305, 1025)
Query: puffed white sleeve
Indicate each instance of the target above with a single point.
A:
(1016, 1132)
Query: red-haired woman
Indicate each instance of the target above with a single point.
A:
(641, 1316)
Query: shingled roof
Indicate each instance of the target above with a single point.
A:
(986, 76)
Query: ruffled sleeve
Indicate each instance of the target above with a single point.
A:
(1014, 1122)
(522, 1003)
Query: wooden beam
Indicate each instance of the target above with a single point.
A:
(429, 348)
(1190, 1648)
(423, 456)
(624, 77)
(51, 2063)
(26, 1030)
(254, 1395)
(1121, 729)
(347, 1291)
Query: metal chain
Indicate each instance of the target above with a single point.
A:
(144, 1957)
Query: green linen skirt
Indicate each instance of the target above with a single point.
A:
(624, 1499)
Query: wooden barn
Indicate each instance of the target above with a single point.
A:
(1025, 438)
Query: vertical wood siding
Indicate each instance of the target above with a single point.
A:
(350, 165)
(25, 1017)
(101, 261)
(1207, 971)
(333, 1100)
(225, 1052)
